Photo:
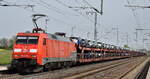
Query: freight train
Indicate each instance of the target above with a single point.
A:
(38, 51)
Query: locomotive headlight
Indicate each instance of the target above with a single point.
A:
(16, 55)
(17, 50)
(33, 50)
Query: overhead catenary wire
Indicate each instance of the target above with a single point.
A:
(94, 7)
(49, 8)
(58, 10)
(96, 12)
(106, 34)
(13, 4)
(79, 2)
(136, 20)
(51, 16)
(62, 3)
(135, 15)
(75, 10)
(59, 20)
(52, 7)
(8, 4)
(72, 9)
(87, 3)
(95, 20)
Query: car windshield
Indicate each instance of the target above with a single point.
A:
(27, 40)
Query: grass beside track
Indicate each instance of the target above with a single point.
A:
(5, 56)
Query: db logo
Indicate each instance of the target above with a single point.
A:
(25, 50)
(24, 55)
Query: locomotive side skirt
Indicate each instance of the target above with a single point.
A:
(73, 57)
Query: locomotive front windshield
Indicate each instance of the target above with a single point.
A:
(27, 40)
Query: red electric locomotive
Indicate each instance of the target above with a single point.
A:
(37, 50)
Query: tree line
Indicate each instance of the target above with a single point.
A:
(7, 43)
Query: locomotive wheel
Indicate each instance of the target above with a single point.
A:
(64, 65)
(39, 69)
(26, 70)
(68, 64)
(47, 67)
(12, 70)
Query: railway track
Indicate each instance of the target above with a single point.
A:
(76, 72)
(7, 74)
(82, 75)
(105, 72)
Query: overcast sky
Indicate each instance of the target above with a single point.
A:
(62, 19)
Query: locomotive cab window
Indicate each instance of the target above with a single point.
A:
(27, 40)
(32, 40)
(21, 40)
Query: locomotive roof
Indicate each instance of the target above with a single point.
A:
(57, 37)
(53, 36)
